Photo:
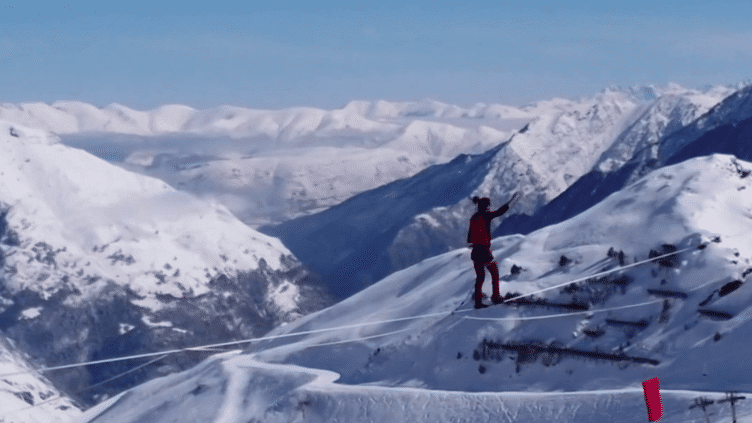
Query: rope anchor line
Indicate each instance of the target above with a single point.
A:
(213, 347)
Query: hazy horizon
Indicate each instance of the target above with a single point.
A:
(325, 55)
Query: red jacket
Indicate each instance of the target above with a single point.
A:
(480, 226)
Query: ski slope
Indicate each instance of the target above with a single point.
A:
(288, 393)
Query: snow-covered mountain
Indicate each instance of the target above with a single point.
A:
(670, 131)
(98, 261)
(405, 225)
(267, 166)
(28, 397)
(673, 108)
(724, 129)
(412, 348)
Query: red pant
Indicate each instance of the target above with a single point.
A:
(480, 276)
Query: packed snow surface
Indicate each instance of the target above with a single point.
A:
(411, 347)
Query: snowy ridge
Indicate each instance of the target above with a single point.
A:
(434, 139)
(562, 146)
(735, 108)
(268, 166)
(676, 205)
(638, 151)
(635, 152)
(28, 397)
(99, 261)
(689, 327)
(670, 112)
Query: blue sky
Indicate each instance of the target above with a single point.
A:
(326, 53)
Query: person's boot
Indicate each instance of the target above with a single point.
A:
(479, 302)
(497, 300)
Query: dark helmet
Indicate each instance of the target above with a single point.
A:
(483, 203)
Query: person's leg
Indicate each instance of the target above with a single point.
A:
(480, 276)
(491, 265)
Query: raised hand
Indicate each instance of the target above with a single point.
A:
(515, 196)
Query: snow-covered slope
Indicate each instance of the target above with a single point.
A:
(28, 397)
(298, 394)
(565, 141)
(98, 261)
(410, 347)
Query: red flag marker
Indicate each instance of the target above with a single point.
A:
(651, 387)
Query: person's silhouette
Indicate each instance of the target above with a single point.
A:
(479, 237)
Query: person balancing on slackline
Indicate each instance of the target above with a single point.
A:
(479, 237)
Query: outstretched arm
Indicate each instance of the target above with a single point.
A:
(503, 209)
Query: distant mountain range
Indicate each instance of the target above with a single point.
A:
(267, 166)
